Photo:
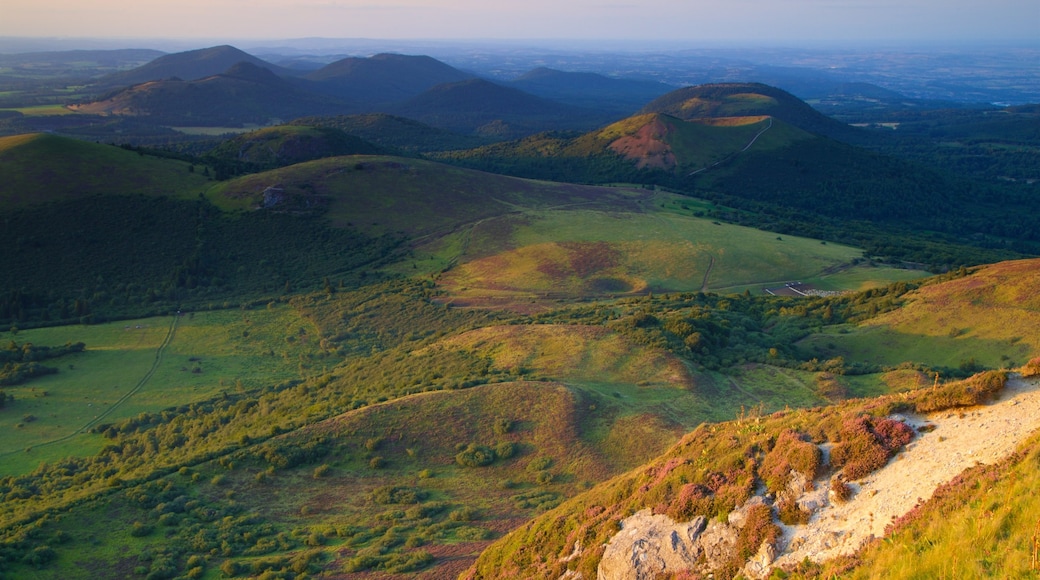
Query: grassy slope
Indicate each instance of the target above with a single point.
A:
(231, 351)
(581, 253)
(990, 317)
(390, 194)
(40, 168)
(727, 457)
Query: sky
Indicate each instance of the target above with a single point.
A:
(693, 21)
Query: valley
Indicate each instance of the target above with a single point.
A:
(389, 318)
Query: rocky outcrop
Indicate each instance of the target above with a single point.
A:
(649, 545)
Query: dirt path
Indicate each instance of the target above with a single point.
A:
(962, 438)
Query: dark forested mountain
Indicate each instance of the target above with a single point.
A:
(188, 66)
(383, 78)
(244, 93)
(591, 90)
(394, 132)
(483, 107)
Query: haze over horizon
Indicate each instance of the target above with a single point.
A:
(747, 21)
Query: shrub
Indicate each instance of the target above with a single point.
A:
(463, 514)
(139, 530)
(791, 513)
(321, 470)
(540, 463)
(475, 456)
(505, 449)
(395, 495)
(502, 426)
(793, 451)
(867, 444)
(967, 393)
(377, 462)
(1031, 368)
(840, 490)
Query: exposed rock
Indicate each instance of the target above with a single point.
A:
(648, 545)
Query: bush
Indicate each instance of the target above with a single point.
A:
(505, 449)
(395, 495)
(840, 490)
(793, 451)
(475, 456)
(139, 530)
(791, 513)
(867, 443)
(1032, 368)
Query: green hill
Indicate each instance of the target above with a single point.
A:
(286, 145)
(40, 168)
(743, 100)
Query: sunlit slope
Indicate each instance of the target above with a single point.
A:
(988, 318)
(39, 168)
(590, 253)
(415, 197)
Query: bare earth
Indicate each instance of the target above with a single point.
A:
(962, 438)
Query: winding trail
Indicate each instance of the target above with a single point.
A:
(140, 384)
(746, 147)
(704, 282)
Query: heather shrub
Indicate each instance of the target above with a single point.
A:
(793, 451)
(791, 513)
(1031, 368)
(867, 443)
(840, 490)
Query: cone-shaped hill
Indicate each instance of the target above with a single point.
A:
(745, 99)
(189, 66)
(483, 107)
(244, 93)
(383, 78)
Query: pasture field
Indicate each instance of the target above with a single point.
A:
(42, 110)
(122, 373)
(581, 253)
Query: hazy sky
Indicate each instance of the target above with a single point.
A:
(788, 21)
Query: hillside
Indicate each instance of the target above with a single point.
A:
(383, 79)
(427, 198)
(485, 108)
(745, 99)
(286, 145)
(395, 133)
(40, 168)
(243, 93)
(188, 66)
(701, 507)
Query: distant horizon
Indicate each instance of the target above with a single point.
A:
(740, 22)
(9, 44)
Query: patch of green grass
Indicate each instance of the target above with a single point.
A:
(580, 253)
(211, 352)
(42, 110)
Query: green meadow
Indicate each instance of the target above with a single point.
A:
(123, 373)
